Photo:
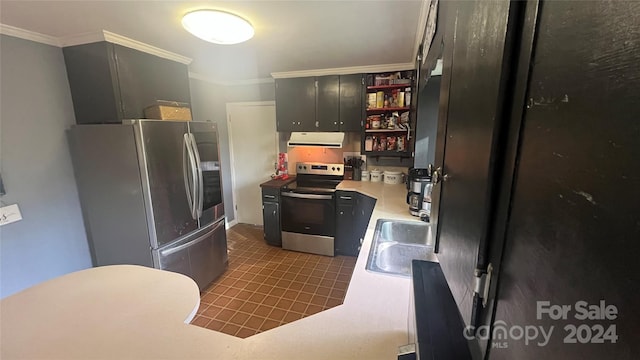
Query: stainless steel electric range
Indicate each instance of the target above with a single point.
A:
(308, 208)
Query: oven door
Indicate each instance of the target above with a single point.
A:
(311, 214)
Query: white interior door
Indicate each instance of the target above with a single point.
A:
(254, 150)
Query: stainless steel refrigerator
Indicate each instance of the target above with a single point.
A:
(151, 195)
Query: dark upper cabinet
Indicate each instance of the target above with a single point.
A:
(296, 104)
(145, 78)
(110, 82)
(324, 103)
(328, 103)
(351, 100)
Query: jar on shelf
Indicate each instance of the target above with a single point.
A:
(402, 143)
(391, 143)
(380, 99)
(371, 100)
(375, 122)
(383, 142)
(368, 143)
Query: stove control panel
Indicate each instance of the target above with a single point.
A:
(319, 168)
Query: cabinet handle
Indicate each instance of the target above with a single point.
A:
(345, 197)
(335, 123)
(341, 122)
(270, 196)
(293, 123)
(274, 213)
(298, 122)
(317, 123)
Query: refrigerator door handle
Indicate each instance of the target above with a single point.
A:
(172, 250)
(188, 153)
(200, 194)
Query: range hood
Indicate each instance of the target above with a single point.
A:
(322, 139)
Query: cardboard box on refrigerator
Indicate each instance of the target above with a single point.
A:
(168, 110)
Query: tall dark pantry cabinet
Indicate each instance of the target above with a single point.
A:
(538, 174)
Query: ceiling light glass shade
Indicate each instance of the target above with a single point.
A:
(218, 27)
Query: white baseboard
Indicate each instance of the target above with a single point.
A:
(229, 225)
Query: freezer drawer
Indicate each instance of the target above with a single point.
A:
(203, 257)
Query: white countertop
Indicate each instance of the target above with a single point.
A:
(135, 312)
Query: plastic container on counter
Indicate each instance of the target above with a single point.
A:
(365, 175)
(392, 177)
(376, 176)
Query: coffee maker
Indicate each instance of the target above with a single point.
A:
(419, 192)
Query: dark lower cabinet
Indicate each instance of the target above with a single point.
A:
(353, 212)
(271, 216)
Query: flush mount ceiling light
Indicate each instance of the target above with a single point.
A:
(218, 27)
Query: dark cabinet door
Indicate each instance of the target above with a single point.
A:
(352, 217)
(93, 83)
(346, 240)
(573, 226)
(470, 116)
(363, 211)
(351, 101)
(271, 218)
(110, 82)
(328, 103)
(145, 78)
(296, 104)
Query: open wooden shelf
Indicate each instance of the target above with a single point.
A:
(391, 86)
(388, 153)
(385, 130)
(404, 108)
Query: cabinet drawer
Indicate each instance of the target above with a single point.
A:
(345, 198)
(270, 194)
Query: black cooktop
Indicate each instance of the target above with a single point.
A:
(311, 187)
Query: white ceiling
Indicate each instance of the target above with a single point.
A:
(290, 35)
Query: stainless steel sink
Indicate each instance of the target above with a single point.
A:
(396, 243)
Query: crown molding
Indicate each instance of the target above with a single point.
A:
(81, 39)
(108, 36)
(28, 35)
(138, 45)
(425, 5)
(91, 37)
(344, 70)
(244, 82)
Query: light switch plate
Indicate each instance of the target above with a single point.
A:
(9, 214)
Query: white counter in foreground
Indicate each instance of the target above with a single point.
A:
(136, 312)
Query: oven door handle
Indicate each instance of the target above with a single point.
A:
(307, 196)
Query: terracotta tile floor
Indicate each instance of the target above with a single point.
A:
(266, 286)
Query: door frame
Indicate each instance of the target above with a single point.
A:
(228, 107)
